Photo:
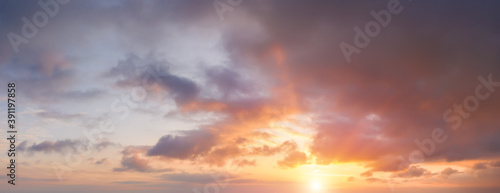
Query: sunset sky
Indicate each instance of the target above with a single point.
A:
(252, 96)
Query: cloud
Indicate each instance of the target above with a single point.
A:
(367, 174)
(410, 101)
(353, 140)
(375, 180)
(198, 178)
(491, 175)
(412, 172)
(46, 76)
(134, 163)
(229, 82)
(83, 95)
(293, 160)
(387, 164)
(244, 162)
(130, 182)
(191, 145)
(153, 75)
(219, 156)
(104, 144)
(495, 164)
(205, 147)
(102, 161)
(62, 146)
(480, 166)
(134, 159)
(59, 115)
(280, 48)
(485, 165)
(448, 172)
(266, 150)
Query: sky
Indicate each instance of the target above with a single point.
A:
(249, 96)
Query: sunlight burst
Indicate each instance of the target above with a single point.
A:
(316, 186)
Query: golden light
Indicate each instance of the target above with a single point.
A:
(316, 186)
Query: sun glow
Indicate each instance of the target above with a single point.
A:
(316, 186)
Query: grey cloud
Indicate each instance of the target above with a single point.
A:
(82, 95)
(58, 115)
(102, 161)
(229, 82)
(412, 172)
(485, 165)
(62, 146)
(46, 76)
(131, 182)
(480, 166)
(495, 163)
(134, 159)
(190, 145)
(148, 72)
(197, 178)
(134, 163)
(448, 172)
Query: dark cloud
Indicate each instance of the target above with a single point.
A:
(208, 148)
(424, 62)
(485, 165)
(102, 161)
(412, 172)
(134, 163)
(229, 83)
(43, 75)
(448, 172)
(480, 166)
(151, 74)
(190, 145)
(134, 159)
(428, 74)
(244, 162)
(63, 146)
(198, 178)
(495, 164)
